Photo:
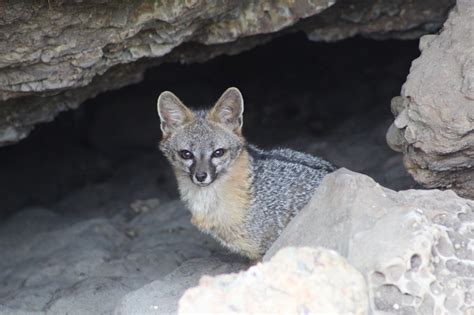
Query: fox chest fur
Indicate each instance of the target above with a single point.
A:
(221, 208)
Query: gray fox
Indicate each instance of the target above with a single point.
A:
(241, 195)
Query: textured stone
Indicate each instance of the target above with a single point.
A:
(434, 124)
(296, 280)
(83, 40)
(414, 247)
(56, 54)
(59, 46)
(378, 19)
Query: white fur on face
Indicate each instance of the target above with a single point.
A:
(200, 200)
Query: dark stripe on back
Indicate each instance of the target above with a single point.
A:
(259, 154)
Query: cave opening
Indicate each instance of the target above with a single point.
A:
(328, 99)
(90, 210)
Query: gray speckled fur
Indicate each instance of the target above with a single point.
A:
(282, 184)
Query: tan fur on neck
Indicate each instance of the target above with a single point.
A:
(220, 208)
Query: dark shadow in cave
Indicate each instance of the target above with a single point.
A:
(330, 99)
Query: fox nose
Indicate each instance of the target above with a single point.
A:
(201, 176)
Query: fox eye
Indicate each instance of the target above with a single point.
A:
(218, 153)
(185, 154)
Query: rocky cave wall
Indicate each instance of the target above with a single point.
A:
(57, 54)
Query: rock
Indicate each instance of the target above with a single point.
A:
(71, 52)
(161, 296)
(414, 247)
(378, 19)
(434, 121)
(57, 54)
(295, 280)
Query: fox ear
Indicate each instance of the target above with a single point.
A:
(173, 113)
(229, 110)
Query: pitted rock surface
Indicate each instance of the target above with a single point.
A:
(295, 280)
(415, 247)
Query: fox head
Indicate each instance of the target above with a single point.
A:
(201, 145)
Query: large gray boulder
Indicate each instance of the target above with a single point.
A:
(434, 124)
(295, 281)
(56, 54)
(414, 247)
